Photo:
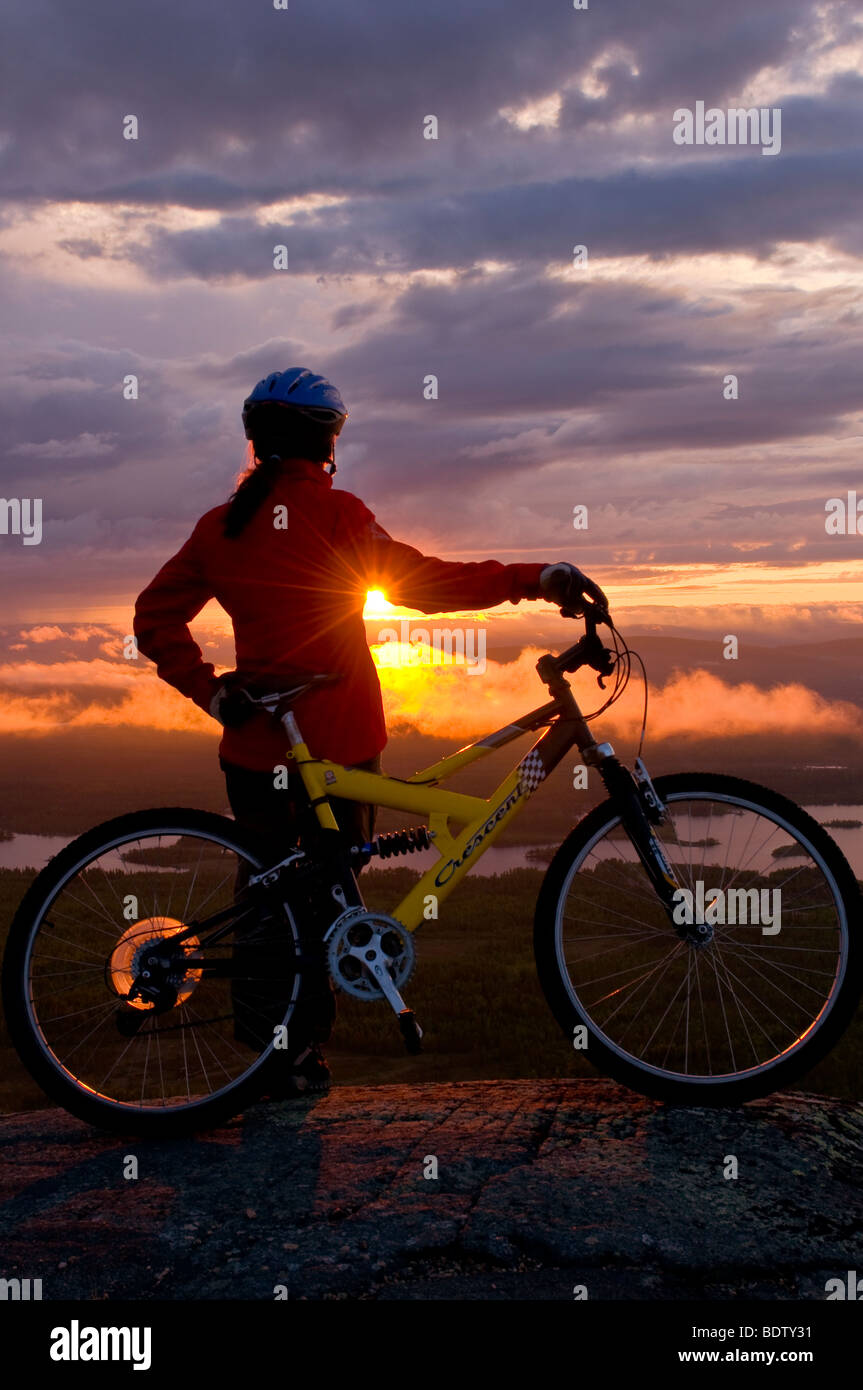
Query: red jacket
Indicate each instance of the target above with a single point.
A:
(295, 597)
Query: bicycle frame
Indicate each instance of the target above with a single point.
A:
(482, 819)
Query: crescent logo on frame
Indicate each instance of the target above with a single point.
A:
(447, 870)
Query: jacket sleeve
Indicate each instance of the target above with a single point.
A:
(162, 614)
(426, 583)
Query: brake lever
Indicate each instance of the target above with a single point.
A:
(593, 615)
(606, 659)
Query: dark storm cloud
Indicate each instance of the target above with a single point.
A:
(244, 367)
(647, 372)
(70, 437)
(65, 393)
(743, 204)
(529, 370)
(82, 247)
(241, 101)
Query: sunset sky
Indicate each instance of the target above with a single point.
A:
(559, 385)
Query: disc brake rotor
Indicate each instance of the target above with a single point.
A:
(127, 959)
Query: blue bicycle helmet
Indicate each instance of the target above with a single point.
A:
(301, 390)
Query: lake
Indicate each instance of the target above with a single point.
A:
(34, 851)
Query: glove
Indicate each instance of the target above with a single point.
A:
(565, 585)
(231, 707)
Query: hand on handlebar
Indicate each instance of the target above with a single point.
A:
(567, 586)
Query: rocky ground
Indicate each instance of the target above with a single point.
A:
(541, 1186)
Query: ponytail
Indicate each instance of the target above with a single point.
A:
(252, 491)
(275, 439)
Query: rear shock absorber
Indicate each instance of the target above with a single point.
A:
(400, 842)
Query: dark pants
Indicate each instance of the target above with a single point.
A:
(273, 814)
(275, 817)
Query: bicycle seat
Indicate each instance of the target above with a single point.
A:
(278, 692)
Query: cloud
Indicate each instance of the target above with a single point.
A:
(673, 210)
(84, 446)
(445, 702)
(356, 86)
(699, 703)
(47, 632)
(451, 703)
(84, 633)
(39, 699)
(84, 247)
(256, 362)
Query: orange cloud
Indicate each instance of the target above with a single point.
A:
(35, 704)
(700, 704)
(444, 701)
(44, 633)
(50, 632)
(448, 702)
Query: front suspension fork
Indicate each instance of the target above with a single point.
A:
(635, 816)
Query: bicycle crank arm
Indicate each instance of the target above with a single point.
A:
(371, 955)
(410, 1029)
(384, 980)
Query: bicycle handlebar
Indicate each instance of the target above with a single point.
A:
(589, 650)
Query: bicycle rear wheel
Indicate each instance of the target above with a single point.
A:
(108, 906)
(747, 1008)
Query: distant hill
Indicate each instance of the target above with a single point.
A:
(833, 669)
(63, 782)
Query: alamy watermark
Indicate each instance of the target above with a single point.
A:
(751, 907)
(738, 125)
(849, 1288)
(844, 515)
(21, 516)
(77, 1343)
(439, 646)
(20, 1290)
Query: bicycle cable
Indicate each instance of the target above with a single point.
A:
(622, 671)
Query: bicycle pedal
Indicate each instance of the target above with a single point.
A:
(411, 1031)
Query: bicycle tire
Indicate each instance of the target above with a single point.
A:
(672, 1087)
(48, 1071)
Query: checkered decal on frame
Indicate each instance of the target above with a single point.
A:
(531, 772)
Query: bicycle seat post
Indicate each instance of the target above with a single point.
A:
(291, 728)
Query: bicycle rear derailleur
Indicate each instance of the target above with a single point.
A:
(372, 956)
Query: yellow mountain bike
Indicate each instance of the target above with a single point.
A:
(696, 936)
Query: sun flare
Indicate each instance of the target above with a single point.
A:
(377, 605)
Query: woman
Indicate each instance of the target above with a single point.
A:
(290, 559)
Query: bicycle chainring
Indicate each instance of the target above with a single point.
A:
(360, 944)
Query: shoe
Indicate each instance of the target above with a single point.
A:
(304, 1075)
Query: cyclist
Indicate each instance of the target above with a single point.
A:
(291, 558)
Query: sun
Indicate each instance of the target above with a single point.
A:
(377, 605)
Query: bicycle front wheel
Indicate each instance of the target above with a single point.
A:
(115, 903)
(744, 999)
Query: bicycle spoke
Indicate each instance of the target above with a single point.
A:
(83, 963)
(716, 1009)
